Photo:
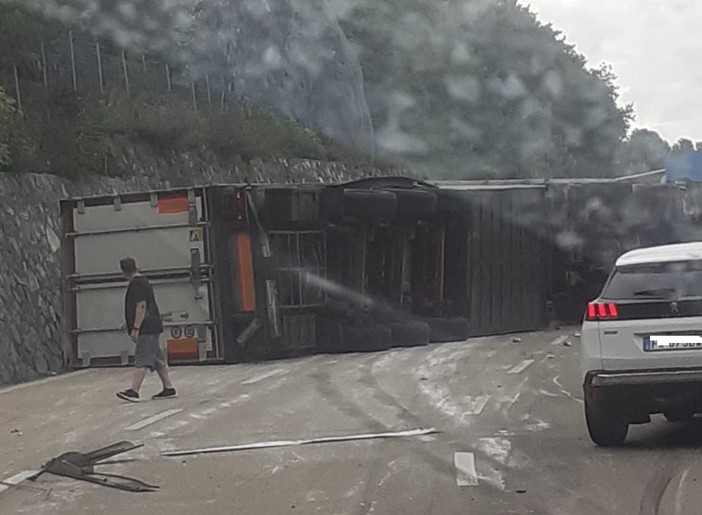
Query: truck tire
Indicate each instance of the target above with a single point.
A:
(329, 335)
(606, 429)
(367, 338)
(447, 329)
(679, 415)
(409, 334)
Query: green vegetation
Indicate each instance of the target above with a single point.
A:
(66, 123)
(645, 150)
(482, 89)
(456, 89)
(8, 115)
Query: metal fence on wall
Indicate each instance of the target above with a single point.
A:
(70, 60)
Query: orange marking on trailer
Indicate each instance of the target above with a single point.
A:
(183, 347)
(173, 205)
(246, 272)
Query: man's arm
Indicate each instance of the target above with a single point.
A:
(139, 315)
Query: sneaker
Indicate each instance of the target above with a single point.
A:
(166, 393)
(129, 395)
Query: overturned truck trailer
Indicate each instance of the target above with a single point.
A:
(255, 272)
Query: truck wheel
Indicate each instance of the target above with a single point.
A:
(330, 336)
(679, 415)
(367, 338)
(605, 428)
(409, 334)
(448, 329)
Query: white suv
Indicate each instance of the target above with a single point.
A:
(642, 342)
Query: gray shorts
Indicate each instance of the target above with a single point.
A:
(149, 353)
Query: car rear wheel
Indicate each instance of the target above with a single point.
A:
(606, 429)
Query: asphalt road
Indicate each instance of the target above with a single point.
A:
(509, 414)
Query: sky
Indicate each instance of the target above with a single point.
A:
(655, 48)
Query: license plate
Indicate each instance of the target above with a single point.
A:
(672, 343)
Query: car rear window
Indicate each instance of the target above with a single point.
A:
(656, 281)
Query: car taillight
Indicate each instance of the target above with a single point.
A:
(602, 311)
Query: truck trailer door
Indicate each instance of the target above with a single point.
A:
(167, 234)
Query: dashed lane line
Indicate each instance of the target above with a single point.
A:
(477, 404)
(521, 367)
(560, 340)
(152, 420)
(261, 377)
(15, 480)
(466, 475)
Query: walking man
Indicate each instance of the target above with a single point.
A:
(145, 327)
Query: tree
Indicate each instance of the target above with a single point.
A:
(683, 146)
(475, 89)
(644, 151)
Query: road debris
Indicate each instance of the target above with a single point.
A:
(567, 344)
(290, 443)
(81, 466)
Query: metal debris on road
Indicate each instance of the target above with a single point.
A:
(290, 443)
(81, 466)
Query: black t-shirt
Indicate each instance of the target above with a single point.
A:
(140, 290)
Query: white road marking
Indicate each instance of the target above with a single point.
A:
(564, 391)
(518, 369)
(546, 358)
(52, 379)
(15, 480)
(679, 494)
(261, 377)
(477, 404)
(466, 475)
(560, 340)
(547, 393)
(289, 443)
(152, 420)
